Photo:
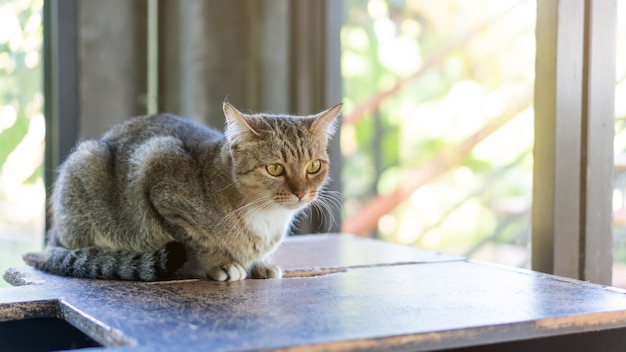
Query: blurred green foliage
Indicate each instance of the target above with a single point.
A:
(482, 201)
(21, 130)
(20, 72)
(486, 198)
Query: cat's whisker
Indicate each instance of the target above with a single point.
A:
(239, 211)
(261, 209)
(329, 196)
(305, 213)
(332, 196)
(316, 207)
(295, 225)
(324, 204)
(328, 218)
(226, 187)
(261, 204)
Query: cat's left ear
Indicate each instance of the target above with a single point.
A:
(237, 126)
(324, 123)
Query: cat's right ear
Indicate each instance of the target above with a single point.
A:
(324, 123)
(237, 125)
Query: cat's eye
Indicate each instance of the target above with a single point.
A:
(314, 167)
(275, 169)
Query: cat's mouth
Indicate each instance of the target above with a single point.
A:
(292, 201)
(297, 204)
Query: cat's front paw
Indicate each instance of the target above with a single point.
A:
(265, 271)
(228, 272)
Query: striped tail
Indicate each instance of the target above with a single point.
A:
(111, 264)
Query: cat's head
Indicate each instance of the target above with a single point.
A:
(279, 160)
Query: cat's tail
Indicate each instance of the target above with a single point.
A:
(103, 263)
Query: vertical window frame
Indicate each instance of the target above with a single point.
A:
(574, 113)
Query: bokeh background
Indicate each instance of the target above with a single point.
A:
(436, 139)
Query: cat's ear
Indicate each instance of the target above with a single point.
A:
(324, 123)
(237, 125)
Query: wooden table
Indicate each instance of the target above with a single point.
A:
(339, 293)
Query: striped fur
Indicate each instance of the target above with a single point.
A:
(161, 196)
(103, 263)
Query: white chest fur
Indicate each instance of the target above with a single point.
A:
(268, 224)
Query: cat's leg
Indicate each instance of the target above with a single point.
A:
(164, 167)
(206, 261)
(228, 272)
(264, 270)
(216, 264)
(235, 271)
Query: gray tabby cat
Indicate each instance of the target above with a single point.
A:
(160, 197)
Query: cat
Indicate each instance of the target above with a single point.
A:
(160, 197)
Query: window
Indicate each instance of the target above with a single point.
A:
(619, 193)
(391, 42)
(438, 125)
(22, 131)
(438, 101)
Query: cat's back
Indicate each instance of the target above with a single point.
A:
(141, 128)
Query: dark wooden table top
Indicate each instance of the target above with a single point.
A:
(339, 292)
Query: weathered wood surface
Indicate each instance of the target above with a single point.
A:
(340, 293)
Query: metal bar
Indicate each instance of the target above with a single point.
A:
(333, 93)
(60, 83)
(316, 83)
(152, 62)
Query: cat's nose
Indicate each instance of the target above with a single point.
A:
(298, 187)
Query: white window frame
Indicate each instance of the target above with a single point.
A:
(574, 132)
